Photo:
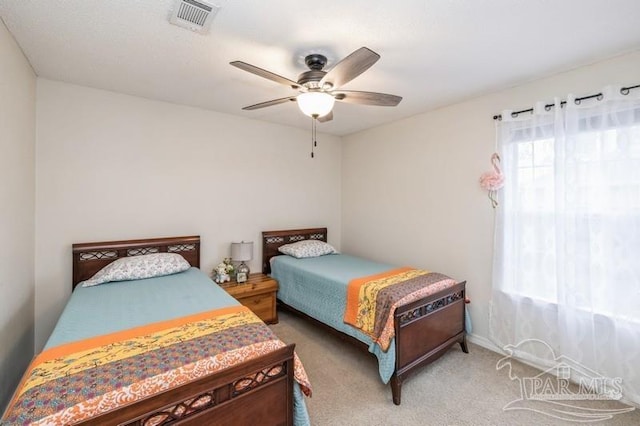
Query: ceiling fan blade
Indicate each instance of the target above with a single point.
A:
(366, 98)
(270, 103)
(264, 73)
(350, 67)
(326, 118)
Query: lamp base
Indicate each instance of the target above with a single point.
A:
(242, 273)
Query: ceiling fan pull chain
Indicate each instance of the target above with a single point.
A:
(315, 131)
(313, 134)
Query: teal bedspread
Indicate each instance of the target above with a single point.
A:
(128, 304)
(317, 287)
(107, 308)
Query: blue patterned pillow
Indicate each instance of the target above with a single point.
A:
(139, 267)
(307, 248)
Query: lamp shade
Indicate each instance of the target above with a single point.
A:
(316, 104)
(242, 252)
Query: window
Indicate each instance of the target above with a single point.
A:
(567, 247)
(571, 215)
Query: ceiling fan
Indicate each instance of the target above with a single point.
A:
(320, 89)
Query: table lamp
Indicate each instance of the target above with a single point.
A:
(242, 252)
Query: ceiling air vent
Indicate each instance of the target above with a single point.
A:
(194, 15)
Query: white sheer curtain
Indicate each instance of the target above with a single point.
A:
(567, 249)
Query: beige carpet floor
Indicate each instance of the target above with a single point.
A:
(457, 389)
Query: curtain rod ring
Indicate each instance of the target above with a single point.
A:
(624, 91)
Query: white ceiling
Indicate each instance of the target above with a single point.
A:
(434, 52)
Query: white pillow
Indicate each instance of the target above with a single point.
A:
(139, 267)
(307, 248)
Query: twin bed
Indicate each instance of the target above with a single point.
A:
(177, 349)
(315, 287)
(173, 349)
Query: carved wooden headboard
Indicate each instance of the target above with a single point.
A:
(271, 240)
(89, 258)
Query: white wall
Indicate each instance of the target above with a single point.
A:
(410, 191)
(112, 166)
(17, 141)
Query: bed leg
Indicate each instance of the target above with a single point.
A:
(396, 389)
(463, 344)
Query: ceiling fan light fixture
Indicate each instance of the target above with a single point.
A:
(315, 104)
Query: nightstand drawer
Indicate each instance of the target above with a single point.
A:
(257, 294)
(261, 305)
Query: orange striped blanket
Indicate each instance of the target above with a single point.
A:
(372, 300)
(80, 380)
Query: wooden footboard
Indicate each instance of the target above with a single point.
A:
(256, 391)
(425, 330)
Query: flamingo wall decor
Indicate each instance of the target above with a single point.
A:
(493, 180)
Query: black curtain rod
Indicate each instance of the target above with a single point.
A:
(547, 107)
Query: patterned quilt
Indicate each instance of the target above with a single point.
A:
(80, 380)
(372, 300)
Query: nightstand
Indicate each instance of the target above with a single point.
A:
(258, 293)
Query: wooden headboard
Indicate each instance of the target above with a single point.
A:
(89, 258)
(271, 240)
